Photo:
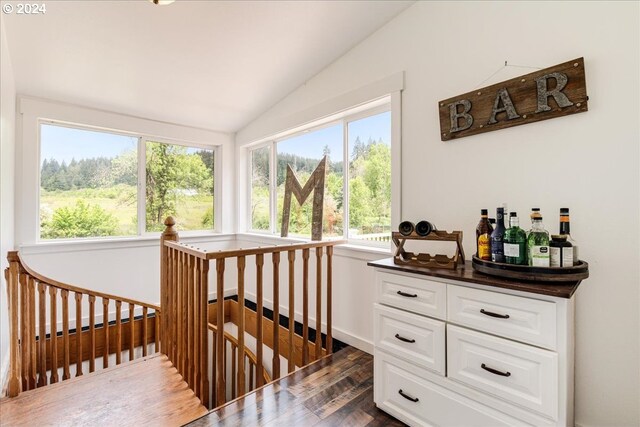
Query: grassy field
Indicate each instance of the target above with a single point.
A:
(120, 202)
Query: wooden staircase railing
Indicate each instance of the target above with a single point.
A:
(249, 363)
(184, 294)
(38, 349)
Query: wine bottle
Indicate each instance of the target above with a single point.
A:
(497, 244)
(483, 236)
(515, 242)
(423, 228)
(565, 229)
(406, 228)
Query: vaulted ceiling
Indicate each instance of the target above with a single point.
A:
(210, 64)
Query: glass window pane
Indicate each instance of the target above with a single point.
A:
(370, 178)
(260, 213)
(88, 183)
(179, 182)
(304, 153)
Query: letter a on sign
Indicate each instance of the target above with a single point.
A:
(315, 184)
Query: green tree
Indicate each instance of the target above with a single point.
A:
(81, 220)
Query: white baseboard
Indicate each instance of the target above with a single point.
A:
(352, 340)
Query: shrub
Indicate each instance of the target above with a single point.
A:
(81, 220)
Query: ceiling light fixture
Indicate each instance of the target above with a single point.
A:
(161, 2)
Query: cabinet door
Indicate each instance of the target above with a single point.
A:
(519, 373)
(400, 390)
(524, 319)
(414, 294)
(415, 338)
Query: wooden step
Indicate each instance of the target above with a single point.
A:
(147, 391)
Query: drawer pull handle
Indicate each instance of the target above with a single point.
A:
(406, 396)
(401, 338)
(495, 371)
(499, 316)
(404, 294)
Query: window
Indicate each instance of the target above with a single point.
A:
(358, 147)
(91, 184)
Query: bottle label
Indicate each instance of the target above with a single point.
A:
(540, 256)
(576, 256)
(567, 257)
(512, 249)
(497, 249)
(554, 259)
(484, 247)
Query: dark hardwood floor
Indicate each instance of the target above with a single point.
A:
(334, 391)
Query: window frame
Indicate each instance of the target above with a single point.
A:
(141, 186)
(344, 118)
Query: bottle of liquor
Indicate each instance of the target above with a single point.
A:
(515, 242)
(565, 229)
(483, 236)
(497, 244)
(538, 244)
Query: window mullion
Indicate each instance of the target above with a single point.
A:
(142, 186)
(273, 190)
(345, 179)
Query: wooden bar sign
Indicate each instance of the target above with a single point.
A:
(546, 94)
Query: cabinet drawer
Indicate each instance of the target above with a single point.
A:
(415, 338)
(400, 390)
(524, 319)
(418, 295)
(524, 375)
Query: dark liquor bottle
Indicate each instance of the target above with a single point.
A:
(483, 236)
(423, 228)
(515, 242)
(406, 228)
(565, 229)
(497, 243)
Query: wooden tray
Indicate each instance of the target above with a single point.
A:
(579, 271)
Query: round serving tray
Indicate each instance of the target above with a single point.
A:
(579, 271)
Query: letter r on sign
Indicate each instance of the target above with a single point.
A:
(544, 94)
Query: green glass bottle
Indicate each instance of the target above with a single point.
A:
(538, 253)
(515, 242)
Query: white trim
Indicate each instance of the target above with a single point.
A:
(261, 130)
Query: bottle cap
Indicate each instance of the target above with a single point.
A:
(500, 210)
(512, 214)
(484, 212)
(564, 210)
(535, 209)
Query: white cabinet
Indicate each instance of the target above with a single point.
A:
(452, 352)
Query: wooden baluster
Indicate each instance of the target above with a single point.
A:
(42, 335)
(14, 384)
(53, 334)
(145, 332)
(197, 322)
(31, 381)
(214, 363)
(252, 369)
(132, 335)
(78, 336)
(92, 333)
(241, 325)
(185, 319)
(105, 330)
(65, 333)
(233, 372)
(305, 307)
(174, 309)
(157, 323)
(260, 312)
(179, 307)
(24, 330)
(169, 234)
(167, 311)
(318, 303)
(291, 361)
(221, 384)
(275, 363)
(329, 341)
(118, 332)
(190, 324)
(204, 332)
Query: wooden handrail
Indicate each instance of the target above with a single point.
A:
(51, 282)
(36, 357)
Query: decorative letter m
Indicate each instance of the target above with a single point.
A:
(315, 184)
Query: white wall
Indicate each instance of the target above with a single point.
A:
(7, 154)
(588, 162)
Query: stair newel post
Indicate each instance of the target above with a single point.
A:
(13, 386)
(169, 234)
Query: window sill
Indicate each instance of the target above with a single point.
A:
(53, 246)
(349, 250)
